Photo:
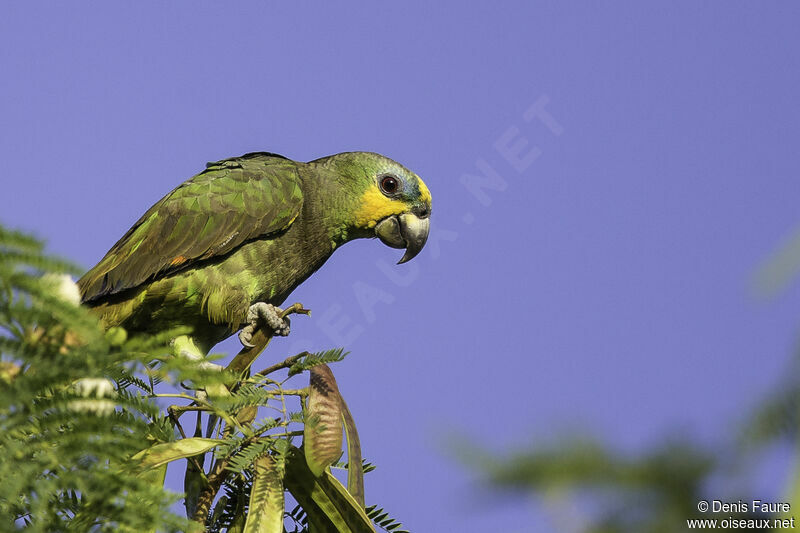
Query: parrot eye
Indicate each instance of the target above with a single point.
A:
(389, 184)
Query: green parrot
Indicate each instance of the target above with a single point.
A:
(220, 252)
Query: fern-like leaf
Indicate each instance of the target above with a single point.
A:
(312, 360)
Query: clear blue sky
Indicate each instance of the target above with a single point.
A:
(604, 280)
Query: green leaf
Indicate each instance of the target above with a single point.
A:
(266, 496)
(383, 520)
(238, 523)
(234, 512)
(322, 433)
(312, 360)
(355, 466)
(247, 456)
(161, 454)
(194, 481)
(329, 506)
(156, 477)
(247, 414)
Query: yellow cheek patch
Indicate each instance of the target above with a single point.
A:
(375, 207)
(424, 193)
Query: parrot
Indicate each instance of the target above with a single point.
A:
(223, 250)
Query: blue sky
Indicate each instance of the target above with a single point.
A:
(601, 277)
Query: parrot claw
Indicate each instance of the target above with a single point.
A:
(261, 314)
(245, 336)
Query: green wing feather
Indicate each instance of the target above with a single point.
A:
(231, 202)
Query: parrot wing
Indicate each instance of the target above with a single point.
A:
(231, 202)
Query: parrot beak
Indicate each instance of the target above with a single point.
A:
(404, 231)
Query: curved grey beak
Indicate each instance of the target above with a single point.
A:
(404, 231)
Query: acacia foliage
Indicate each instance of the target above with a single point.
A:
(65, 435)
(89, 421)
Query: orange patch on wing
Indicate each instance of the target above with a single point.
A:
(177, 261)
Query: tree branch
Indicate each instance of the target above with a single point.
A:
(286, 363)
(260, 339)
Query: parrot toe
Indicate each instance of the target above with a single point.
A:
(262, 314)
(246, 334)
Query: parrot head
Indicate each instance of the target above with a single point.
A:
(392, 203)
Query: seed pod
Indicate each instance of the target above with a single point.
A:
(322, 434)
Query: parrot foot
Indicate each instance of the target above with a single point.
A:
(261, 314)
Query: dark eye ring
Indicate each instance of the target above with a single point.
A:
(390, 184)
